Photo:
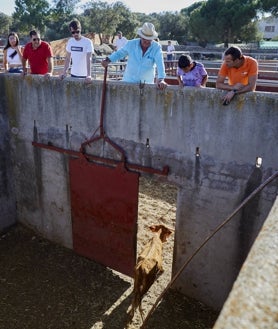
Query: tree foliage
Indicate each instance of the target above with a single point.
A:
(61, 14)
(210, 21)
(127, 20)
(5, 23)
(153, 18)
(103, 18)
(173, 26)
(188, 10)
(223, 20)
(270, 6)
(31, 14)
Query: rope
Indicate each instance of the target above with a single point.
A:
(219, 227)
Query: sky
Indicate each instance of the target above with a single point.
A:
(143, 6)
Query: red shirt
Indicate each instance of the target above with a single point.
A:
(38, 57)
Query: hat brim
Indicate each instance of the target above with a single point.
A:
(147, 37)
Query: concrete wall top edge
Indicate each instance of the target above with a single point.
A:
(174, 119)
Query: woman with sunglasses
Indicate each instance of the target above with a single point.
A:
(79, 54)
(39, 55)
(12, 55)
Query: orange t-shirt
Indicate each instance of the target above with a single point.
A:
(241, 74)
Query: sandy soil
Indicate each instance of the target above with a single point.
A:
(43, 285)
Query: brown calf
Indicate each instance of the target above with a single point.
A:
(148, 267)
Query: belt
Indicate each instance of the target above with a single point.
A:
(15, 66)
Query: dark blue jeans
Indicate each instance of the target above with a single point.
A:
(15, 70)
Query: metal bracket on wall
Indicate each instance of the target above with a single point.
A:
(135, 167)
(105, 138)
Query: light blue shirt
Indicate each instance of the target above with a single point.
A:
(141, 68)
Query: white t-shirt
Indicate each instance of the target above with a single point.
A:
(79, 50)
(121, 42)
(170, 48)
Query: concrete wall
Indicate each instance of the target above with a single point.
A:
(174, 122)
(7, 195)
(253, 301)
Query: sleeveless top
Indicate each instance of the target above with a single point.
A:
(13, 57)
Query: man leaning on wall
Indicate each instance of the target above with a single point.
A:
(39, 55)
(144, 58)
(79, 52)
(241, 71)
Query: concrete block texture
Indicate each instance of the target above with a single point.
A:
(211, 151)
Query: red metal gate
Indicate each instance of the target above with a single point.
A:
(104, 203)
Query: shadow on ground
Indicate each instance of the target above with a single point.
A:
(43, 285)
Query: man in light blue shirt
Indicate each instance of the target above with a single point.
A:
(144, 58)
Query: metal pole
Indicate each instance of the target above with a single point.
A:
(243, 203)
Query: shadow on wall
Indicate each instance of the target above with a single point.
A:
(250, 212)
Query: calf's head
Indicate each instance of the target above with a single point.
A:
(162, 230)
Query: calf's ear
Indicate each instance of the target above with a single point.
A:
(153, 228)
(165, 236)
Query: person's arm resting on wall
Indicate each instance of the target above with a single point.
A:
(237, 88)
(89, 66)
(240, 88)
(50, 67)
(251, 86)
(161, 84)
(5, 61)
(232, 90)
(66, 66)
(24, 66)
(179, 78)
(204, 81)
(220, 83)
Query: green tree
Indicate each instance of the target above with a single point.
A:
(101, 18)
(173, 26)
(5, 23)
(250, 33)
(127, 22)
(31, 14)
(61, 13)
(151, 18)
(198, 25)
(270, 6)
(223, 20)
(188, 10)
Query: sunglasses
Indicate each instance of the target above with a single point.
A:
(75, 32)
(36, 39)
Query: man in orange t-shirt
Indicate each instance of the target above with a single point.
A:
(241, 71)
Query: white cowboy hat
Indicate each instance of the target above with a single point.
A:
(147, 31)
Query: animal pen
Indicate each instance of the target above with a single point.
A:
(155, 129)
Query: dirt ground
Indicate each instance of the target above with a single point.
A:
(46, 286)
